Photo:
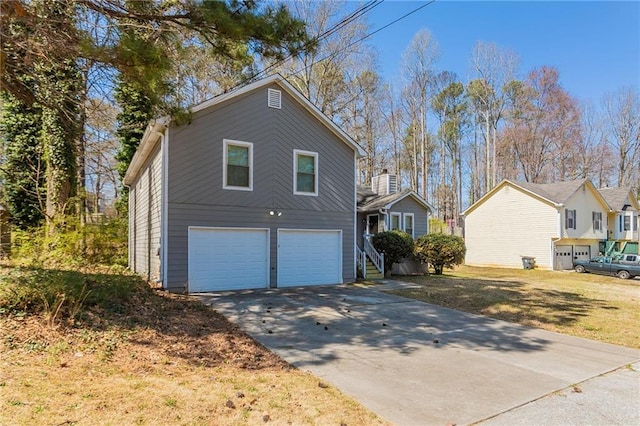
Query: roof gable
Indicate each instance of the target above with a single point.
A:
(558, 192)
(295, 93)
(156, 127)
(555, 194)
(617, 198)
(370, 201)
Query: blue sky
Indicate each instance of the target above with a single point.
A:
(595, 45)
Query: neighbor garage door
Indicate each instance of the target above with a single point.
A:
(581, 253)
(309, 257)
(228, 259)
(564, 259)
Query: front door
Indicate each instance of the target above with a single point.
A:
(372, 224)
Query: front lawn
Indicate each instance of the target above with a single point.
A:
(104, 348)
(585, 305)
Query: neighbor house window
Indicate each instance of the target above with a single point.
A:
(238, 165)
(408, 223)
(395, 221)
(596, 218)
(570, 219)
(305, 172)
(627, 223)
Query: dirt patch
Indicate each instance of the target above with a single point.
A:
(164, 359)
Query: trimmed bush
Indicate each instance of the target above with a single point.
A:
(395, 245)
(440, 250)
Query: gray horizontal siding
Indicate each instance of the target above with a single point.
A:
(196, 156)
(196, 196)
(297, 129)
(186, 215)
(420, 217)
(145, 218)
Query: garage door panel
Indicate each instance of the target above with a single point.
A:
(228, 259)
(581, 252)
(563, 257)
(309, 257)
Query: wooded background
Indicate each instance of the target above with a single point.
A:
(81, 79)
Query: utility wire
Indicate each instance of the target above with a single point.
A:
(363, 38)
(334, 28)
(367, 7)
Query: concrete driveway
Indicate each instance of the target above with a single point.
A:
(418, 364)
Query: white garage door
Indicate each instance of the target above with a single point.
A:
(228, 259)
(309, 257)
(564, 258)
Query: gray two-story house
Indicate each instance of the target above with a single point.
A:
(257, 191)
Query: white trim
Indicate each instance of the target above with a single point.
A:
(399, 216)
(274, 98)
(164, 215)
(131, 213)
(355, 217)
(148, 142)
(230, 228)
(249, 145)
(316, 170)
(413, 223)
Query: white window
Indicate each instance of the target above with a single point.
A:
(570, 219)
(395, 221)
(237, 165)
(305, 172)
(596, 218)
(627, 223)
(408, 223)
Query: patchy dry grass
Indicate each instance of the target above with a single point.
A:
(585, 305)
(152, 358)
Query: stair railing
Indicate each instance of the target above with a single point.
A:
(361, 261)
(376, 258)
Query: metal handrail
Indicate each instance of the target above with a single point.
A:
(376, 258)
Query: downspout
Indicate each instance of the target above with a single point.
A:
(161, 247)
(555, 240)
(384, 213)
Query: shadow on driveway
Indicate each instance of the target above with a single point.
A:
(412, 362)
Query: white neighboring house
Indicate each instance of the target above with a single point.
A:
(622, 221)
(553, 223)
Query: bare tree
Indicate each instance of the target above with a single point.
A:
(493, 68)
(418, 69)
(622, 133)
(543, 126)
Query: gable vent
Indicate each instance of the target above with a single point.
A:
(274, 99)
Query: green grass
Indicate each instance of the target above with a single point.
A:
(585, 305)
